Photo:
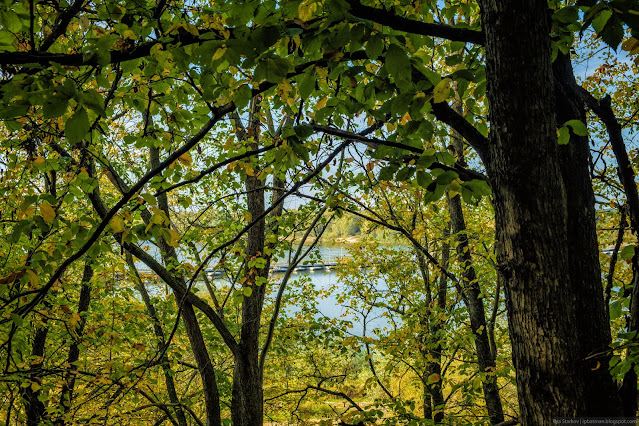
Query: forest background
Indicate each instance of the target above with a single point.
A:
(158, 158)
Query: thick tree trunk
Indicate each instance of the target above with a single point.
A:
(592, 319)
(531, 210)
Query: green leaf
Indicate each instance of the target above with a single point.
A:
(17, 320)
(567, 15)
(479, 187)
(600, 21)
(464, 74)
(93, 100)
(247, 291)
(374, 47)
(303, 131)
(271, 69)
(615, 310)
(423, 179)
(578, 127)
(243, 96)
(55, 107)
(405, 173)
(613, 32)
(386, 173)
(627, 252)
(397, 63)
(77, 126)
(11, 21)
(6, 41)
(563, 135)
(306, 84)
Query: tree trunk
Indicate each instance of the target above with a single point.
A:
(247, 407)
(165, 362)
(531, 210)
(66, 395)
(193, 331)
(475, 305)
(629, 385)
(437, 392)
(430, 343)
(592, 319)
(33, 407)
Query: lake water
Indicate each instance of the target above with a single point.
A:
(325, 280)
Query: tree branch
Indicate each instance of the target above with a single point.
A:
(221, 112)
(603, 109)
(444, 113)
(61, 26)
(389, 19)
(464, 174)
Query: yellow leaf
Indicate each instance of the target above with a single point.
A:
(98, 31)
(321, 71)
(284, 89)
(26, 212)
(128, 34)
(219, 53)
(455, 186)
(48, 213)
(433, 378)
(33, 277)
(117, 224)
(175, 237)
(305, 10)
(35, 387)
(173, 27)
(139, 347)
(156, 51)
(191, 29)
(185, 159)
(442, 90)
(321, 103)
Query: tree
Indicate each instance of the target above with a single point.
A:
(82, 82)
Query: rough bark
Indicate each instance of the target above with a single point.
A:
(531, 210)
(629, 385)
(247, 407)
(472, 291)
(476, 313)
(34, 409)
(626, 173)
(442, 289)
(592, 319)
(431, 347)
